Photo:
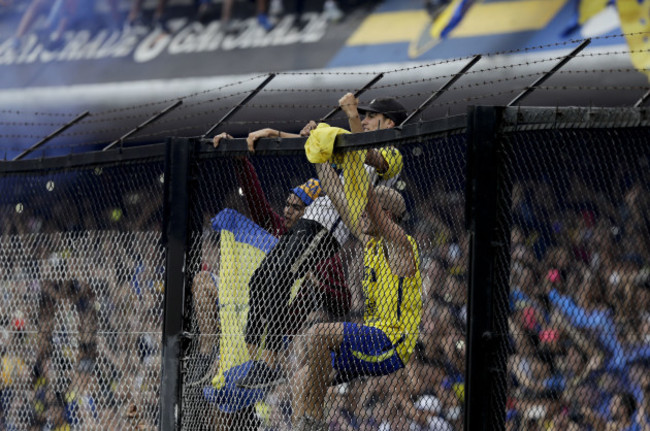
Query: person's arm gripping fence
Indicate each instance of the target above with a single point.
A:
(261, 211)
(349, 104)
(333, 187)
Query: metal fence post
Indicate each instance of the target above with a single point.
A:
(487, 221)
(175, 238)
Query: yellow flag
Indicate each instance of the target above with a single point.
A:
(319, 148)
(588, 9)
(635, 23)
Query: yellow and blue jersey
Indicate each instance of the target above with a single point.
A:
(392, 303)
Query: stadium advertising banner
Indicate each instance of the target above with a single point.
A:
(97, 50)
(55, 68)
(190, 48)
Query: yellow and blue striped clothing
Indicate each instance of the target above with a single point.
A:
(392, 303)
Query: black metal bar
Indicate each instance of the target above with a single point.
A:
(452, 124)
(643, 99)
(442, 89)
(236, 108)
(52, 135)
(550, 73)
(488, 274)
(358, 93)
(175, 230)
(121, 139)
(84, 160)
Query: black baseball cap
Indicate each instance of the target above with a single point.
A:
(390, 107)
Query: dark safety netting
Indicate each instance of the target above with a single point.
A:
(82, 275)
(578, 221)
(494, 274)
(272, 276)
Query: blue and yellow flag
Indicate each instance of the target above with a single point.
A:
(243, 246)
(583, 11)
(635, 23)
(449, 18)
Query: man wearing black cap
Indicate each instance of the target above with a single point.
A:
(379, 113)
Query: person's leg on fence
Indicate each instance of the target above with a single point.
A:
(205, 299)
(323, 338)
(35, 8)
(338, 353)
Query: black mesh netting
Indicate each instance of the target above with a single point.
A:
(579, 286)
(261, 265)
(81, 268)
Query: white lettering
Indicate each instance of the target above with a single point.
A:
(7, 54)
(91, 48)
(45, 55)
(315, 29)
(74, 45)
(284, 33)
(151, 46)
(185, 40)
(35, 53)
(245, 39)
(211, 37)
(125, 45)
(109, 46)
(28, 47)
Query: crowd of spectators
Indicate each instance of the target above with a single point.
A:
(82, 322)
(54, 18)
(579, 317)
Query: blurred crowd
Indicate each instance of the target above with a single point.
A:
(81, 314)
(578, 318)
(81, 339)
(54, 18)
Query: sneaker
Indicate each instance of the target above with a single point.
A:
(161, 26)
(263, 20)
(276, 8)
(331, 11)
(261, 376)
(204, 13)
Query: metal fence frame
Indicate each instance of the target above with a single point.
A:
(487, 224)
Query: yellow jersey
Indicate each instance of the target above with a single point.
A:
(392, 303)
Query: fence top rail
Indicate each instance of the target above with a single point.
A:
(513, 119)
(452, 124)
(85, 160)
(573, 117)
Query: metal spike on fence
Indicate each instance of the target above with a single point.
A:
(359, 92)
(643, 99)
(241, 104)
(51, 136)
(550, 73)
(121, 139)
(441, 90)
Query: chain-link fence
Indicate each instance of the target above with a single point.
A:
(273, 260)
(206, 289)
(82, 287)
(578, 311)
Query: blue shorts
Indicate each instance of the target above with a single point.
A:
(365, 351)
